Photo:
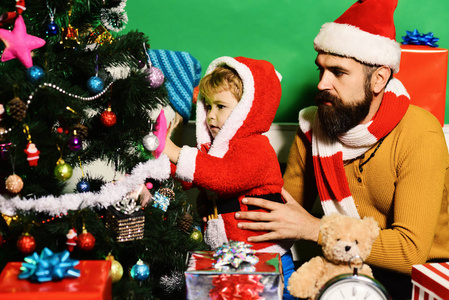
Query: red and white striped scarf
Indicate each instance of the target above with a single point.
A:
(329, 154)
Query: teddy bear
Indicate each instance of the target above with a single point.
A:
(343, 238)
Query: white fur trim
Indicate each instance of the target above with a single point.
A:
(185, 168)
(351, 41)
(215, 234)
(277, 248)
(220, 144)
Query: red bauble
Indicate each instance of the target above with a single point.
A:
(108, 118)
(26, 244)
(86, 241)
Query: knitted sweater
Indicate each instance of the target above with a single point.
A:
(404, 187)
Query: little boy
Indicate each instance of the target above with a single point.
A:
(237, 104)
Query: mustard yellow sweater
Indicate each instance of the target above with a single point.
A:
(404, 187)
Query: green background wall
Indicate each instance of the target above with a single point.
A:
(280, 31)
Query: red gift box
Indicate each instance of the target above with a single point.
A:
(430, 281)
(423, 71)
(205, 282)
(94, 283)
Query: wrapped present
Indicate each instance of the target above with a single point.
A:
(126, 219)
(254, 276)
(423, 71)
(430, 281)
(94, 282)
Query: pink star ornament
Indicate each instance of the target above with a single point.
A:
(19, 44)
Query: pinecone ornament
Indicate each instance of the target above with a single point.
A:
(17, 109)
(81, 131)
(185, 222)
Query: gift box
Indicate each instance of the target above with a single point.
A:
(430, 281)
(204, 281)
(127, 227)
(93, 283)
(423, 71)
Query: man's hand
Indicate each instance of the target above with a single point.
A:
(289, 221)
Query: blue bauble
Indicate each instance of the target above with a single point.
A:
(140, 271)
(95, 84)
(52, 29)
(83, 186)
(35, 74)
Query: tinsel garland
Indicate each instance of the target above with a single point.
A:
(158, 169)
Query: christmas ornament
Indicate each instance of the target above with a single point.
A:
(86, 241)
(32, 154)
(72, 238)
(49, 266)
(160, 131)
(19, 44)
(173, 283)
(26, 244)
(83, 186)
(185, 222)
(114, 18)
(95, 84)
(81, 130)
(74, 143)
(14, 184)
(62, 170)
(16, 108)
(100, 36)
(150, 141)
(162, 198)
(140, 271)
(116, 269)
(52, 27)
(108, 118)
(2, 111)
(155, 77)
(196, 236)
(35, 74)
(70, 34)
(126, 220)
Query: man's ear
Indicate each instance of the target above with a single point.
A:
(380, 78)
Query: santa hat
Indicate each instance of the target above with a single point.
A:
(183, 74)
(365, 32)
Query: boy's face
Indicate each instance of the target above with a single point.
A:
(218, 110)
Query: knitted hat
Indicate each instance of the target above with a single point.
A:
(183, 74)
(365, 32)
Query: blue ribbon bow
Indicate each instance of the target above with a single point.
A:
(415, 38)
(49, 266)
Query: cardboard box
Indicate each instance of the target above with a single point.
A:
(93, 283)
(423, 71)
(430, 281)
(265, 282)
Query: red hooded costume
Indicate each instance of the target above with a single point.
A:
(240, 161)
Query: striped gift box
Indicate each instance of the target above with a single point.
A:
(430, 281)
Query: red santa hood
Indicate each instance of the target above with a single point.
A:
(256, 109)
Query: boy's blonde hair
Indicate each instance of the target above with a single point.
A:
(223, 78)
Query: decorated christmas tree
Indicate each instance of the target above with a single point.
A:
(75, 90)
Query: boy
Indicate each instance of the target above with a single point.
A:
(238, 101)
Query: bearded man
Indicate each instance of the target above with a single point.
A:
(365, 151)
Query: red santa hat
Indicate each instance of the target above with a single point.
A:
(365, 32)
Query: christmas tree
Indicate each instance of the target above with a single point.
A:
(75, 90)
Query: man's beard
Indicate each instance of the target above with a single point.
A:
(338, 118)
